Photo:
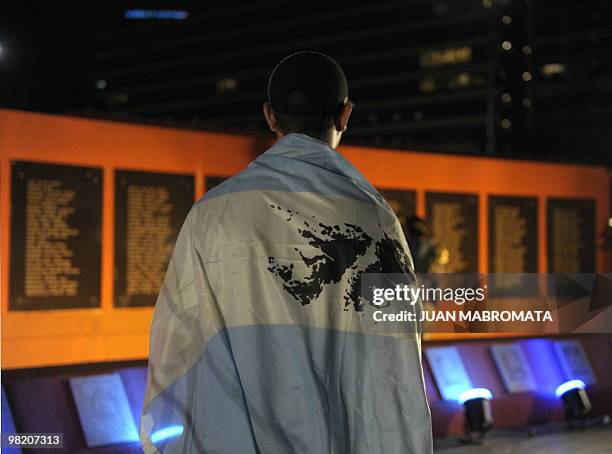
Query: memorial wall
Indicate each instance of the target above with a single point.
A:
(91, 210)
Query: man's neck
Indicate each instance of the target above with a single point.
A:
(332, 138)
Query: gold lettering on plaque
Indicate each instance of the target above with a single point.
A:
(567, 242)
(510, 231)
(49, 267)
(149, 238)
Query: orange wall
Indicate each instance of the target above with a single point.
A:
(37, 338)
(485, 176)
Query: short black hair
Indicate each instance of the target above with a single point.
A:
(316, 125)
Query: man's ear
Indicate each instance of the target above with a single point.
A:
(343, 117)
(270, 117)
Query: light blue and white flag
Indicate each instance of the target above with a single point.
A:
(259, 342)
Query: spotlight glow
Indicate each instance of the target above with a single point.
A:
(569, 386)
(168, 432)
(475, 393)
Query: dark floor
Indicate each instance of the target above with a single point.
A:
(595, 440)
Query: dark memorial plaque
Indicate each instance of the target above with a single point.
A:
(56, 231)
(149, 212)
(513, 245)
(402, 202)
(571, 235)
(453, 220)
(513, 234)
(212, 181)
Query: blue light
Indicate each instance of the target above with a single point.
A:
(569, 386)
(548, 373)
(160, 14)
(475, 393)
(168, 432)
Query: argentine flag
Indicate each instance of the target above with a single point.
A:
(260, 341)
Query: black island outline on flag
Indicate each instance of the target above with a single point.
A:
(340, 246)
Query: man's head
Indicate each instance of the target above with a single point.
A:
(308, 94)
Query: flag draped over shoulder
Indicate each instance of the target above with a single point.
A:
(258, 342)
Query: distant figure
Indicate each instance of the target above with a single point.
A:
(606, 244)
(259, 343)
(424, 251)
